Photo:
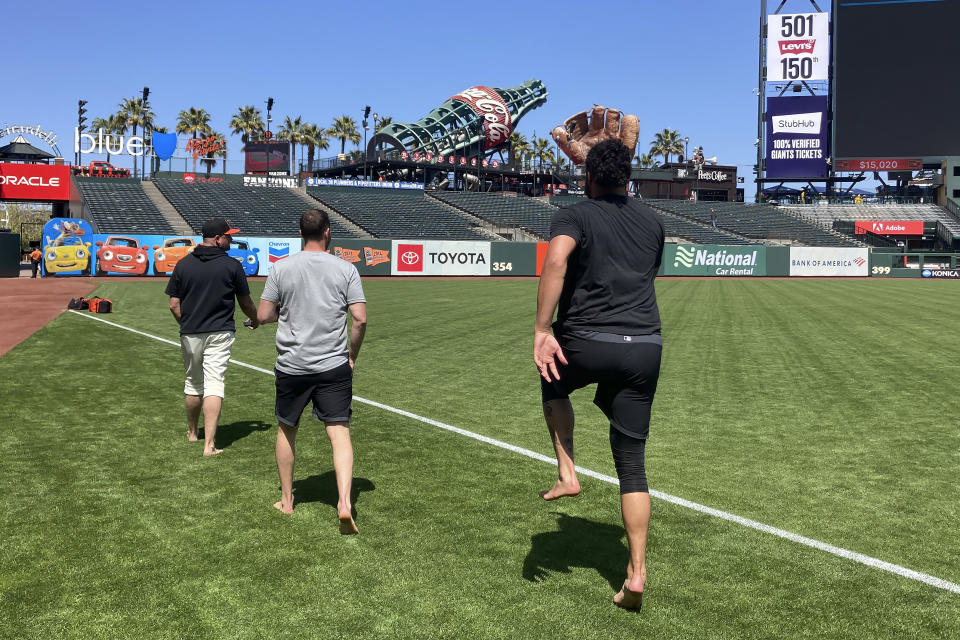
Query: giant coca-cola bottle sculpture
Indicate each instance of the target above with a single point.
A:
(470, 123)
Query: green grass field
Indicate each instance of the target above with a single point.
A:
(825, 408)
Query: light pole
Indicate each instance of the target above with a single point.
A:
(146, 121)
(686, 149)
(376, 118)
(366, 114)
(269, 135)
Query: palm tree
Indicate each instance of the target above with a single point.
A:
(292, 132)
(344, 128)
(541, 151)
(560, 162)
(247, 121)
(519, 146)
(666, 142)
(194, 121)
(646, 161)
(210, 158)
(385, 121)
(134, 114)
(315, 138)
(107, 125)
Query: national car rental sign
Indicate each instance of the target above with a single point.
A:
(37, 182)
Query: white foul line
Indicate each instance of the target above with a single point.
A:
(869, 561)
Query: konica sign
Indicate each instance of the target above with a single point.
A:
(714, 260)
(440, 258)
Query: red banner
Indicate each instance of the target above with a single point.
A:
(879, 164)
(889, 227)
(490, 107)
(38, 182)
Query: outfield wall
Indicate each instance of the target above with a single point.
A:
(64, 243)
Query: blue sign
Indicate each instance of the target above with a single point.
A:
(164, 144)
(797, 137)
(340, 182)
(926, 273)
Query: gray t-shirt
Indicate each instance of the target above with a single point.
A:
(312, 290)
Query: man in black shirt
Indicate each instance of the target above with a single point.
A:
(202, 289)
(603, 256)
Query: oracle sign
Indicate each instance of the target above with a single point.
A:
(889, 227)
(34, 182)
(490, 107)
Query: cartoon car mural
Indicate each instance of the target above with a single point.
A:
(67, 254)
(246, 256)
(120, 254)
(166, 256)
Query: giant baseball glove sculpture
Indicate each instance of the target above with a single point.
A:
(576, 137)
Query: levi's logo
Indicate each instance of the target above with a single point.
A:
(797, 46)
(410, 257)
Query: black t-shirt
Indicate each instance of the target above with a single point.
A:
(608, 286)
(207, 280)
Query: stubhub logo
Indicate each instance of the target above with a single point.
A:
(804, 123)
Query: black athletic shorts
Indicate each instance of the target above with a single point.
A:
(331, 392)
(625, 369)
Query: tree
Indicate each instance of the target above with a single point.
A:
(315, 138)
(292, 132)
(247, 121)
(665, 143)
(646, 161)
(115, 123)
(210, 158)
(194, 121)
(30, 215)
(344, 128)
(541, 151)
(133, 114)
(519, 147)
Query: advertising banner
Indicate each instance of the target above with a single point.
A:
(129, 254)
(267, 157)
(797, 137)
(828, 261)
(370, 257)
(798, 46)
(269, 181)
(34, 181)
(714, 260)
(341, 182)
(440, 258)
(889, 227)
(270, 251)
(513, 259)
(67, 247)
(948, 274)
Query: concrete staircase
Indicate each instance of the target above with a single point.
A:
(168, 211)
(334, 215)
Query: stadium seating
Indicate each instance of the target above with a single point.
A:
(530, 214)
(757, 222)
(563, 201)
(825, 214)
(256, 211)
(390, 213)
(119, 205)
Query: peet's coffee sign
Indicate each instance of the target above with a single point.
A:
(714, 175)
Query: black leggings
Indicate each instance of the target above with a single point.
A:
(628, 459)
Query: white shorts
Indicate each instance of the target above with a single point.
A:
(205, 357)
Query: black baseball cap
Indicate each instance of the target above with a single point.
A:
(217, 227)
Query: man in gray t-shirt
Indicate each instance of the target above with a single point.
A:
(309, 294)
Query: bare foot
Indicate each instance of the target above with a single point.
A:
(212, 452)
(562, 490)
(627, 598)
(192, 436)
(347, 526)
(278, 505)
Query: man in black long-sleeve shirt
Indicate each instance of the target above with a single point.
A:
(202, 289)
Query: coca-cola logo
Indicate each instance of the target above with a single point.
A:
(490, 107)
(797, 46)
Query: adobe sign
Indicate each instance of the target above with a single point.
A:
(34, 182)
(889, 227)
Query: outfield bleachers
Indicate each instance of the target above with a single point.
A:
(395, 213)
(263, 211)
(120, 205)
(530, 214)
(824, 215)
(756, 222)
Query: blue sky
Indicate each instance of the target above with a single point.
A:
(690, 66)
